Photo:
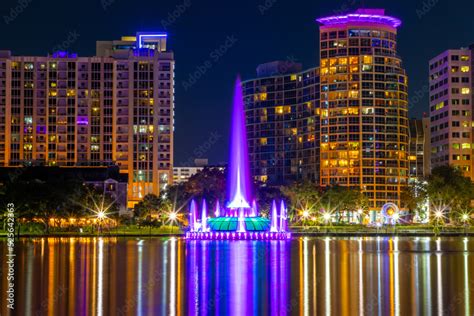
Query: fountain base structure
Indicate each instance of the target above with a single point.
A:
(227, 228)
(238, 236)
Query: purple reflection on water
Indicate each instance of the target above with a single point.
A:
(230, 278)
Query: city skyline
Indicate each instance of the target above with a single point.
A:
(237, 158)
(211, 93)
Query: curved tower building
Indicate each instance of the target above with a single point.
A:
(364, 105)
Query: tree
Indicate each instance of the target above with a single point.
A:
(304, 197)
(265, 195)
(413, 197)
(95, 201)
(209, 184)
(449, 191)
(49, 198)
(337, 199)
(147, 206)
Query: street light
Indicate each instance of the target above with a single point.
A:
(327, 216)
(173, 216)
(101, 215)
(438, 214)
(305, 214)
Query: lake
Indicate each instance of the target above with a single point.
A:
(302, 276)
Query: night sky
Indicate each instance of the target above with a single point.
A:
(246, 32)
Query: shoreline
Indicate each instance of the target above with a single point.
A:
(294, 234)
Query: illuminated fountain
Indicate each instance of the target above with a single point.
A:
(239, 219)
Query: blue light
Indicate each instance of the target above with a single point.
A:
(141, 36)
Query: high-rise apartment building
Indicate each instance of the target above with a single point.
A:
(419, 149)
(282, 114)
(354, 131)
(451, 109)
(364, 105)
(113, 108)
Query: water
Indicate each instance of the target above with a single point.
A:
(304, 276)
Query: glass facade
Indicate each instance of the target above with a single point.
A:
(283, 126)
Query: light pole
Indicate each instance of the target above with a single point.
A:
(465, 218)
(438, 215)
(173, 216)
(101, 216)
(305, 216)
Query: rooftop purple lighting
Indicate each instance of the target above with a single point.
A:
(376, 16)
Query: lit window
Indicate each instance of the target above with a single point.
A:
(465, 90)
(354, 60)
(465, 58)
(342, 61)
(439, 105)
(465, 69)
(466, 146)
(279, 110)
(293, 77)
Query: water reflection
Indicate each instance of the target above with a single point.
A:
(237, 278)
(306, 276)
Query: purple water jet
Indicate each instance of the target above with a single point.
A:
(238, 180)
(204, 216)
(217, 210)
(274, 225)
(192, 215)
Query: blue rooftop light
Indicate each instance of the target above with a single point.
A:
(148, 35)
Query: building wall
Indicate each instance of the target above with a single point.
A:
(364, 107)
(65, 110)
(451, 101)
(182, 174)
(419, 149)
(283, 124)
